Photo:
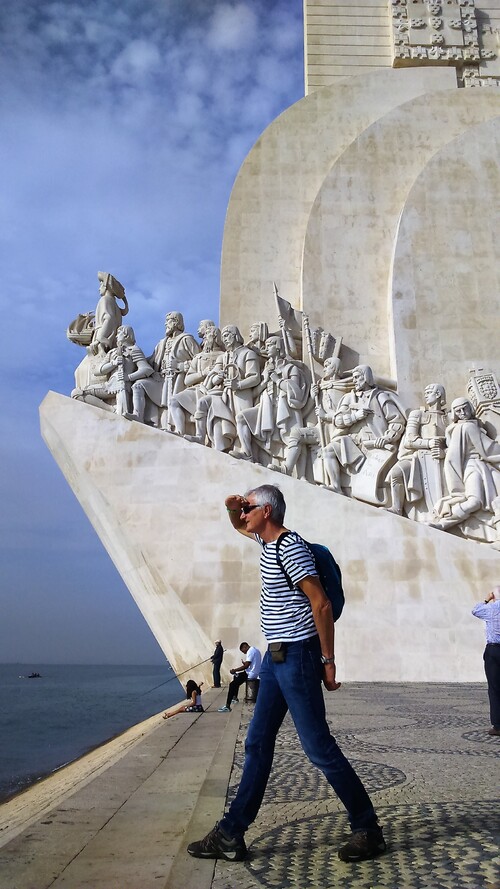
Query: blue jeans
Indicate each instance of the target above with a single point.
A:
(294, 685)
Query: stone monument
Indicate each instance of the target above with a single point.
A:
(361, 273)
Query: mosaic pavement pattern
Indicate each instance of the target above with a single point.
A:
(424, 755)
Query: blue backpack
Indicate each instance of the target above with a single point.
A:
(328, 571)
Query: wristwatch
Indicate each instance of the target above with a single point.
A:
(327, 660)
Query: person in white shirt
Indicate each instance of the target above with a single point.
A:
(250, 669)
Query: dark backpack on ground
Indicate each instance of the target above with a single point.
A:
(328, 571)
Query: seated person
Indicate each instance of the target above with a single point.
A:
(250, 669)
(193, 698)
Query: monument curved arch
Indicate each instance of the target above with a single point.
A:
(278, 182)
(445, 287)
(354, 221)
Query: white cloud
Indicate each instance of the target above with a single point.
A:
(232, 27)
(136, 61)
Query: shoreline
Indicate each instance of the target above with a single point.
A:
(26, 806)
(72, 710)
(44, 776)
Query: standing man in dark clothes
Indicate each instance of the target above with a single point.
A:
(301, 621)
(217, 661)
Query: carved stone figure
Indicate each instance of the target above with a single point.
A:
(185, 403)
(417, 478)
(122, 366)
(230, 388)
(472, 473)
(283, 394)
(259, 332)
(108, 314)
(368, 425)
(170, 361)
(202, 328)
(305, 442)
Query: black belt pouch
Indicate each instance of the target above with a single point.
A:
(278, 652)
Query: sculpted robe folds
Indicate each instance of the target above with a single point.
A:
(180, 348)
(472, 462)
(422, 473)
(281, 403)
(222, 404)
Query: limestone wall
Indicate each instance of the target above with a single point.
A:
(157, 503)
(278, 182)
(449, 273)
(342, 39)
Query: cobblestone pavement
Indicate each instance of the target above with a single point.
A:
(432, 770)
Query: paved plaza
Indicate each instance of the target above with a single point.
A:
(121, 819)
(424, 755)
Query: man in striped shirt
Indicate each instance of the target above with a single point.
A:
(290, 679)
(489, 611)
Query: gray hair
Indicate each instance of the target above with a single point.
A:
(270, 495)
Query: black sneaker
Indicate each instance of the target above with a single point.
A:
(217, 844)
(363, 844)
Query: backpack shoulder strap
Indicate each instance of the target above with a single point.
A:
(280, 563)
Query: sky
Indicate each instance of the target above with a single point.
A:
(122, 129)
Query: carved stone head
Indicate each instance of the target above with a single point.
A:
(362, 376)
(259, 332)
(461, 409)
(203, 327)
(212, 340)
(274, 347)
(125, 334)
(331, 368)
(231, 336)
(435, 393)
(174, 321)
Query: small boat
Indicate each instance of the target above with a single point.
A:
(33, 676)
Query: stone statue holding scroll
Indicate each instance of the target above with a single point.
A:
(417, 481)
(230, 389)
(472, 474)
(282, 396)
(170, 362)
(367, 427)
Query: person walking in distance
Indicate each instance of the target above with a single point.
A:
(298, 625)
(250, 667)
(489, 611)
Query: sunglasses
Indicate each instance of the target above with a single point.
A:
(248, 508)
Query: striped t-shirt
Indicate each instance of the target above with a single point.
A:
(285, 614)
